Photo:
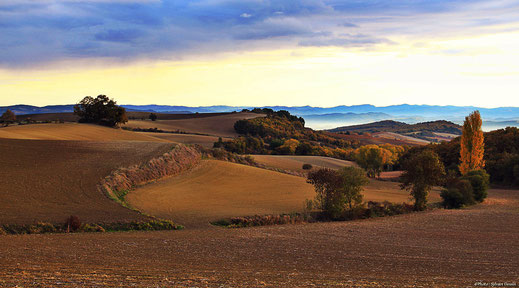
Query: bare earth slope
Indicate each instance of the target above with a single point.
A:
(218, 189)
(48, 181)
(206, 141)
(73, 131)
(222, 125)
(441, 248)
(295, 163)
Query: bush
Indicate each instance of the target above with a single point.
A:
(263, 220)
(458, 195)
(452, 198)
(307, 166)
(46, 228)
(479, 180)
(92, 228)
(466, 191)
(73, 223)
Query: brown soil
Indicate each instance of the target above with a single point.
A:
(295, 163)
(222, 126)
(48, 181)
(70, 117)
(73, 131)
(399, 137)
(440, 248)
(205, 141)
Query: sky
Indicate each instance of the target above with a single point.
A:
(260, 52)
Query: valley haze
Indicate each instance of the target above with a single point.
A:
(330, 117)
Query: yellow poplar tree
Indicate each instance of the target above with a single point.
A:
(472, 144)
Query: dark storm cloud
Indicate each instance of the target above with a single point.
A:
(36, 32)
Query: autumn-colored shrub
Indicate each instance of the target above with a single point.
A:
(177, 160)
(377, 209)
(263, 220)
(74, 225)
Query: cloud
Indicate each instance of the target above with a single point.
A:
(344, 40)
(348, 24)
(120, 35)
(45, 31)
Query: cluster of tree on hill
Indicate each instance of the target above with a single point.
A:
(338, 193)
(501, 155)
(283, 134)
(100, 110)
(377, 158)
(464, 184)
(280, 113)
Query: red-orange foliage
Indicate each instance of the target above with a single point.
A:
(472, 144)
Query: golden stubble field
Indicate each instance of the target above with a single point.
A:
(295, 163)
(73, 131)
(217, 189)
(220, 126)
(205, 141)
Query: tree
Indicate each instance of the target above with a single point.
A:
(326, 183)
(101, 110)
(422, 170)
(372, 158)
(352, 180)
(8, 117)
(337, 190)
(153, 116)
(288, 147)
(472, 144)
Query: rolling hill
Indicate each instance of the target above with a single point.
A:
(73, 131)
(295, 163)
(220, 125)
(49, 180)
(217, 189)
(430, 131)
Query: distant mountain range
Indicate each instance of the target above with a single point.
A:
(327, 118)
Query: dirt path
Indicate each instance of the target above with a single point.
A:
(442, 248)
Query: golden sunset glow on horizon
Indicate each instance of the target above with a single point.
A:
(385, 75)
(479, 68)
